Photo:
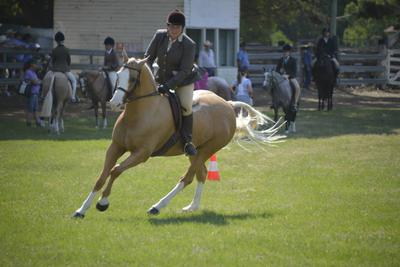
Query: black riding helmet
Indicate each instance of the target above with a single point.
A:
(287, 47)
(59, 37)
(176, 17)
(325, 30)
(109, 41)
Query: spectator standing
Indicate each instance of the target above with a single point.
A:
(243, 88)
(207, 58)
(33, 91)
(242, 58)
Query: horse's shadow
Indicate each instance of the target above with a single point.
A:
(208, 217)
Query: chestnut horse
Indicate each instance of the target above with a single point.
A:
(146, 123)
(95, 84)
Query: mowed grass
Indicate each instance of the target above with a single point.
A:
(330, 195)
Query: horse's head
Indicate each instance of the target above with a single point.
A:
(268, 79)
(129, 77)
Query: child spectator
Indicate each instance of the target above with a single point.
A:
(33, 91)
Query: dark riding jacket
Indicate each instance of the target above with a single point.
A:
(288, 67)
(326, 47)
(60, 59)
(176, 64)
(111, 62)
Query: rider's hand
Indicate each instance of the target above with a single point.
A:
(162, 89)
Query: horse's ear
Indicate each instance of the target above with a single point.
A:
(125, 55)
(142, 61)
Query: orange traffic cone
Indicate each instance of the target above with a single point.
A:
(213, 173)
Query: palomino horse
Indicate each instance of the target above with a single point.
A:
(57, 91)
(324, 75)
(146, 123)
(96, 85)
(281, 94)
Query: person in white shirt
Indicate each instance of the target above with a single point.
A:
(243, 88)
(206, 59)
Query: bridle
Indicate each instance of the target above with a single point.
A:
(128, 97)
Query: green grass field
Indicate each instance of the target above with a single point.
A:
(330, 196)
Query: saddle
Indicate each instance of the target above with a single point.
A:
(176, 110)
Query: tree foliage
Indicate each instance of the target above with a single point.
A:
(368, 19)
(266, 21)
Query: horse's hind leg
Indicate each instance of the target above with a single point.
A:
(162, 203)
(201, 175)
(185, 180)
(112, 155)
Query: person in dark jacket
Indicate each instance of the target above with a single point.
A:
(61, 61)
(327, 45)
(175, 53)
(111, 62)
(287, 66)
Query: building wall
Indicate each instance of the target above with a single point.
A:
(86, 23)
(223, 14)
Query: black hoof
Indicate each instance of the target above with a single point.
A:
(77, 215)
(101, 207)
(153, 211)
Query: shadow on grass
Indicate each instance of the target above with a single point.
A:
(208, 217)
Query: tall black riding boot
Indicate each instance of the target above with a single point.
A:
(186, 133)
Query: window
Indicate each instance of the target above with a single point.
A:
(195, 35)
(227, 47)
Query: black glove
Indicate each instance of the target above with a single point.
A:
(162, 89)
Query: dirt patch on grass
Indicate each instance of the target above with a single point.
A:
(343, 96)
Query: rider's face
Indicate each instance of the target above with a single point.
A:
(174, 30)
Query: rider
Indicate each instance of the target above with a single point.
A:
(61, 61)
(175, 53)
(111, 62)
(328, 46)
(287, 66)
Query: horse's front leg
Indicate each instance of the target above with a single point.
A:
(134, 159)
(96, 113)
(112, 155)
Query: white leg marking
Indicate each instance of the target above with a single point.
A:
(86, 204)
(165, 200)
(196, 200)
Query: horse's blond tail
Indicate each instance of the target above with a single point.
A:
(256, 125)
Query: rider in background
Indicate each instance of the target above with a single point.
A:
(175, 53)
(287, 66)
(111, 62)
(61, 61)
(327, 45)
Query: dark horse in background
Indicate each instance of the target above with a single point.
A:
(324, 75)
(96, 86)
(282, 96)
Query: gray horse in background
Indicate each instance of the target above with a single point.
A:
(220, 87)
(282, 97)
